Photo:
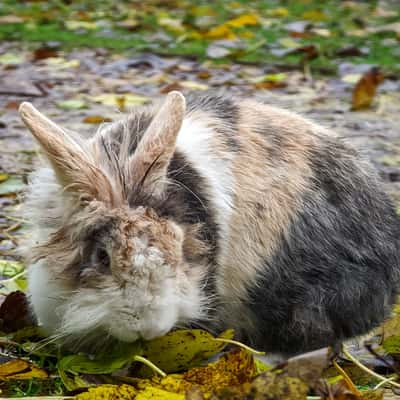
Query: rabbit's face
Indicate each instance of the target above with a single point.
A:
(106, 263)
(118, 272)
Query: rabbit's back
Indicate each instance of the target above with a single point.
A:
(304, 245)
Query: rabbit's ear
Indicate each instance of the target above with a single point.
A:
(148, 165)
(72, 165)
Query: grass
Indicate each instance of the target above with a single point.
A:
(183, 27)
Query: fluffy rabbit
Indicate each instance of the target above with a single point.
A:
(209, 212)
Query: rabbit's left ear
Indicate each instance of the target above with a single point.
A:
(148, 165)
(74, 169)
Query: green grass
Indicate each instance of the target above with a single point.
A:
(45, 21)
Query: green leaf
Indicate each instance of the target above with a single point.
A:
(72, 104)
(11, 185)
(9, 268)
(115, 359)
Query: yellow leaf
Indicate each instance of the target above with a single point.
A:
(20, 369)
(192, 85)
(202, 10)
(233, 369)
(314, 15)
(351, 78)
(224, 31)
(96, 119)
(154, 393)
(119, 100)
(109, 392)
(13, 367)
(243, 20)
(289, 43)
(75, 25)
(278, 12)
(61, 63)
(365, 89)
(173, 24)
(220, 32)
(34, 372)
(182, 349)
(4, 177)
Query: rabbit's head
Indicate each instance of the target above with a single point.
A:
(104, 260)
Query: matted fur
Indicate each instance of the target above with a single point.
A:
(229, 214)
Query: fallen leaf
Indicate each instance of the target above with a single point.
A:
(61, 63)
(193, 85)
(220, 32)
(309, 367)
(277, 12)
(20, 369)
(289, 43)
(314, 15)
(104, 363)
(129, 24)
(15, 313)
(11, 19)
(12, 185)
(154, 393)
(182, 349)
(351, 78)
(73, 104)
(44, 52)
(3, 177)
(109, 392)
(243, 20)
(391, 161)
(12, 105)
(232, 369)
(215, 50)
(10, 268)
(365, 89)
(173, 24)
(119, 100)
(96, 119)
(75, 25)
(11, 59)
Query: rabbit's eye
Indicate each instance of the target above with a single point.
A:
(101, 257)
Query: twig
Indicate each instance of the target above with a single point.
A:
(10, 237)
(367, 370)
(22, 221)
(150, 365)
(230, 341)
(347, 379)
(13, 227)
(388, 380)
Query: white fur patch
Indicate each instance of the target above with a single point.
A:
(46, 296)
(195, 141)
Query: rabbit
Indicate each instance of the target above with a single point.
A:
(213, 212)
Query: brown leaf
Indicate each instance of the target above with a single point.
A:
(170, 87)
(310, 52)
(44, 52)
(365, 89)
(309, 366)
(15, 313)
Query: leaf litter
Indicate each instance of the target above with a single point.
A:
(196, 365)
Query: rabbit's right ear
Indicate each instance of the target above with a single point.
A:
(149, 164)
(72, 165)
